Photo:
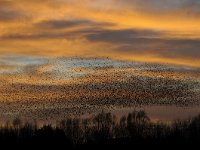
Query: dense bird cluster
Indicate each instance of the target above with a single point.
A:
(53, 88)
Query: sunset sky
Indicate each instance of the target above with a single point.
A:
(163, 31)
(61, 57)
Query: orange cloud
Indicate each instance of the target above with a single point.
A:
(63, 27)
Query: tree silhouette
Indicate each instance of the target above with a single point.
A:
(135, 129)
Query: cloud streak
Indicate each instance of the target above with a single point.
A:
(147, 41)
(156, 29)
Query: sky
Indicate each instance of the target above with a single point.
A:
(60, 57)
(162, 31)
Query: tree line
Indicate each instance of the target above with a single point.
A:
(104, 129)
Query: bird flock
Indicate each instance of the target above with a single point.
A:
(54, 88)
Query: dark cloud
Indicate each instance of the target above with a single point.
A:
(10, 12)
(7, 14)
(180, 47)
(162, 4)
(121, 36)
(57, 24)
(44, 35)
(46, 30)
(147, 41)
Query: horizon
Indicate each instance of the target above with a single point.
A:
(73, 57)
